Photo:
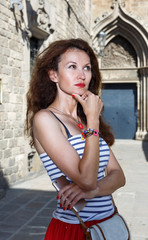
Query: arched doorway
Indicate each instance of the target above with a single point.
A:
(134, 73)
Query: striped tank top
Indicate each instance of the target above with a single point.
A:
(96, 208)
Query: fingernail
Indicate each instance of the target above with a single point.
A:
(69, 207)
(64, 208)
(73, 95)
(60, 205)
(57, 197)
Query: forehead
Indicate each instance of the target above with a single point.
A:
(75, 55)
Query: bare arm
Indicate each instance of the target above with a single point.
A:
(111, 182)
(49, 134)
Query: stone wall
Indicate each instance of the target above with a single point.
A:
(135, 8)
(13, 163)
(66, 20)
(125, 57)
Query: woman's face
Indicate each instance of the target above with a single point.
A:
(74, 72)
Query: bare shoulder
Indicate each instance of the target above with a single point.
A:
(44, 120)
(43, 116)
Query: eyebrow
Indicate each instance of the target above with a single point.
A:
(76, 63)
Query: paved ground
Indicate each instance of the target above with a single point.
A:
(26, 210)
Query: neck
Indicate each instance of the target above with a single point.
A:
(79, 124)
(68, 107)
(63, 112)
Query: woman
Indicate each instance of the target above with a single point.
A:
(62, 102)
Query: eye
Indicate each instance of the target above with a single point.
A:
(72, 66)
(87, 68)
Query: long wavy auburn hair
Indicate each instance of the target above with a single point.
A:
(42, 91)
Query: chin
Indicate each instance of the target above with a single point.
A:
(81, 91)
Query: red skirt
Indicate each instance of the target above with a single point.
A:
(65, 231)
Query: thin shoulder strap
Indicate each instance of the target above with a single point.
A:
(66, 129)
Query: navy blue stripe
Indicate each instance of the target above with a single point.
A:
(96, 206)
(98, 201)
(50, 171)
(55, 174)
(75, 138)
(103, 150)
(106, 155)
(81, 148)
(63, 213)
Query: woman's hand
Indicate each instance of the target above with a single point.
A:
(71, 194)
(91, 103)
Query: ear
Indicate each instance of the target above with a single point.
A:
(53, 75)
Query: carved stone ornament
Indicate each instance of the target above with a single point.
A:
(16, 2)
(43, 19)
(119, 2)
(39, 20)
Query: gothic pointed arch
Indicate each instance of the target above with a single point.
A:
(119, 23)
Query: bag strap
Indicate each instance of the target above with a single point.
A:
(83, 226)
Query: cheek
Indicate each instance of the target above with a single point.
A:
(89, 77)
(65, 81)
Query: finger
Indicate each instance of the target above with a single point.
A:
(63, 190)
(78, 98)
(76, 199)
(64, 193)
(86, 95)
(71, 196)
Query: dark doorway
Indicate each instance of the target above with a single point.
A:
(120, 101)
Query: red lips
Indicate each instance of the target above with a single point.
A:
(81, 85)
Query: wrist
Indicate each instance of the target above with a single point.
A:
(91, 123)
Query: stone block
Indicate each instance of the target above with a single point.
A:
(4, 3)
(6, 97)
(1, 134)
(11, 161)
(5, 33)
(5, 51)
(19, 98)
(12, 116)
(16, 72)
(15, 169)
(3, 144)
(5, 70)
(7, 153)
(1, 154)
(8, 133)
(8, 171)
(18, 133)
(3, 41)
(12, 143)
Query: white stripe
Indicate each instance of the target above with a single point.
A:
(93, 205)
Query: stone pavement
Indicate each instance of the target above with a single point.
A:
(26, 210)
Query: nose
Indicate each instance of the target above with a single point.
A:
(81, 74)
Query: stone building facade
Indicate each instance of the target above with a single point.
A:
(27, 27)
(124, 65)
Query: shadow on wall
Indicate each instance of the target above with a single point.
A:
(145, 149)
(3, 184)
